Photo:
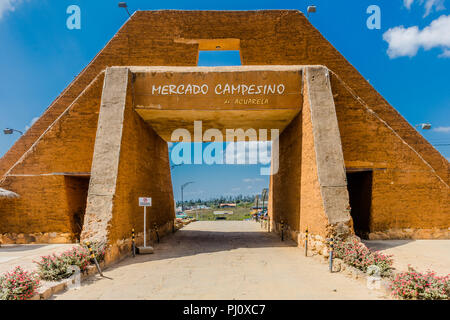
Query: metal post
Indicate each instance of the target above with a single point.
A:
(182, 202)
(182, 189)
(156, 231)
(331, 254)
(145, 227)
(306, 242)
(282, 230)
(91, 252)
(133, 242)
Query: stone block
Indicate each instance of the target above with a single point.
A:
(145, 250)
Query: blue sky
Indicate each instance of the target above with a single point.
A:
(39, 57)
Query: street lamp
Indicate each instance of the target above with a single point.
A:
(11, 131)
(125, 6)
(424, 126)
(310, 9)
(182, 189)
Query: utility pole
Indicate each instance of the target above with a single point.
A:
(182, 189)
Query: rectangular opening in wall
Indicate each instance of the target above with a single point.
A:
(359, 186)
(219, 58)
(77, 192)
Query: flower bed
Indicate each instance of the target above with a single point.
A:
(18, 285)
(356, 254)
(57, 267)
(423, 286)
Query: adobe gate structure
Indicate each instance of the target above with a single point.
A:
(348, 161)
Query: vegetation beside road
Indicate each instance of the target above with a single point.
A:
(203, 210)
(239, 213)
(23, 285)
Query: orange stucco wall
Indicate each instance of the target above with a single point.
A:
(66, 148)
(407, 193)
(144, 171)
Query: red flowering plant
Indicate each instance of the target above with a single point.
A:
(422, 286)
(57, 267)
(354, 253)
(18, 285)
(76, 256)
(53, 268)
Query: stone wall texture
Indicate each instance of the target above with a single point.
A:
(130, 161)
(47, 202)
(144, 171)
(409, 197)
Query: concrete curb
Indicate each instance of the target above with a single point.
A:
(339, 266)
(52, 287)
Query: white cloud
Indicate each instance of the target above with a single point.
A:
(438, 5)
(8, 5)
(407, 41)
(408, 3)
(250, 180)
(32, 120)
(445, 54)
(429, 5)
(442, 129)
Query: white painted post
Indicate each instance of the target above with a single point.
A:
(145, 202)
(145, 225)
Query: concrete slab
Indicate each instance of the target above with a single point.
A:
(145, 250)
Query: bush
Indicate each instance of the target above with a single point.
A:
(53, 268)
(56, 267)
(18, 285)
(423, 286)
(356, 254)
(76, 256)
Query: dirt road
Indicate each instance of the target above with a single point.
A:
(222, 260)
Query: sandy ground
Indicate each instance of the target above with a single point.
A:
(423, 255)
(12, 255)
(222, 260)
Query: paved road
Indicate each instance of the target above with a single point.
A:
(222, 260)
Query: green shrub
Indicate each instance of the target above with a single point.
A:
(76, 256)
(56, 267)
(356, 254)
(423, 286)
(53, 268)
(18, 285)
